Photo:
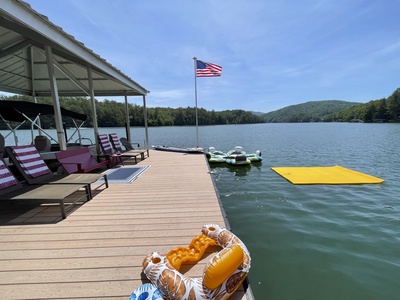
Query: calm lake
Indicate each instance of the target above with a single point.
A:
(307, 241)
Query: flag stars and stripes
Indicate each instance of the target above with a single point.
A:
(206, 69)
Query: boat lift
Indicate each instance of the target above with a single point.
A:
(22, 111)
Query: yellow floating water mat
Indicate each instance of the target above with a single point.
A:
(324, 175)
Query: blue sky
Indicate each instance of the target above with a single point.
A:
(273, 53)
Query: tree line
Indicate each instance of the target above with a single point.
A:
(382, 110)
(111, 113)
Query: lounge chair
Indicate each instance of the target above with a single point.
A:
(34, 170)
(108, 150)
(117, 146)
(12, 189)
(128, 145)
(80, 160)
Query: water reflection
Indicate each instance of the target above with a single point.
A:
(236, 170)
(239, 171)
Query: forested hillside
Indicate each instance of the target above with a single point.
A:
(112, 114)
(383, 110)
(313, 111)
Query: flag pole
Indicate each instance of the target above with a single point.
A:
(195, 100)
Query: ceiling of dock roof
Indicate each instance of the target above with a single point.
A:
(24, 33)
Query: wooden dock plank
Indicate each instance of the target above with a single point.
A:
(97, 252)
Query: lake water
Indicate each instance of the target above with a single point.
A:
(314, 241)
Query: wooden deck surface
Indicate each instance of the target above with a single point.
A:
(97, 252)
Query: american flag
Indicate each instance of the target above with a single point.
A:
(206, 69)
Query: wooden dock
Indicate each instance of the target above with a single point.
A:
(97, 252)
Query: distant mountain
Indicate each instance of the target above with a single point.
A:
(312, 111)
(257, 113)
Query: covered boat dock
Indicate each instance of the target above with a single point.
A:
(39, 59)
(97, 252)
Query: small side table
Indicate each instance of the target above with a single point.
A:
(115, 158)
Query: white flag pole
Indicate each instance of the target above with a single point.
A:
(195, 98)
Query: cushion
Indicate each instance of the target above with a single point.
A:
(30, 160)
(6, 178)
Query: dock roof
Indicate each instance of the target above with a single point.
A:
(24, 36)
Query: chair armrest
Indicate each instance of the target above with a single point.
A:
(137, 144)
(78, 164)
(105, 156)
